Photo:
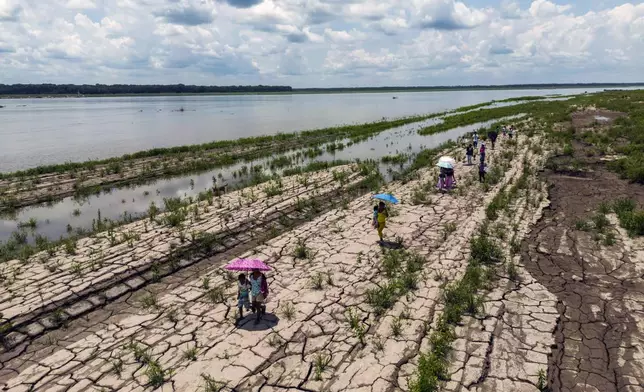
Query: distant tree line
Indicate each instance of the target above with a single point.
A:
(127, 89)
(473, 87)
(123, 89)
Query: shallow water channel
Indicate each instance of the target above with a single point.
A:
(71, 214)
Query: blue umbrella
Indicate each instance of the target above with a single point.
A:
(386, 197)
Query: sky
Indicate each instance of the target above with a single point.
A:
(321, 43)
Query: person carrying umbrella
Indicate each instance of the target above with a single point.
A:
(383, 214)
(257, 282)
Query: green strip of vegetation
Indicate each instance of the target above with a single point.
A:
(460, 298)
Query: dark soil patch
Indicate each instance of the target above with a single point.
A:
(589, 118)
(597, 333)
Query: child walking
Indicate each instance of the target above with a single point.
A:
(243, 291)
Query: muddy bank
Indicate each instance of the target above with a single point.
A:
(581, 255)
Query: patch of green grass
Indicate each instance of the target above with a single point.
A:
(448, 229)
(32, 223)
(395, 159)
(216, 295)
(149, 301)
(609, 239)
(600, 222)
(320, 362)
(190, 353)
(156, 374)
(582, 225)
(630, 218)
(401, 268)
(117, 366)
(396, 327)
(301, 251)
(317, 281)
(485, 251)
(288, 310)
(211, 385)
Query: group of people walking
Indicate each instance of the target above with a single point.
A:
(253, 290)
(507, 131)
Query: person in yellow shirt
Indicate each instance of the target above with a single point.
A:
(382, 219)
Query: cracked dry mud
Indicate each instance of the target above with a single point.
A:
(278, 353)
(49, 289)
(599, 289)
(505, 347)
(501, 350)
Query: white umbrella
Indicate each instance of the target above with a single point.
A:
(447, 159)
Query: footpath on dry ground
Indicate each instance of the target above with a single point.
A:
(343, 314)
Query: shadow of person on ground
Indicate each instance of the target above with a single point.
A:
(391, 245)
(268, 321)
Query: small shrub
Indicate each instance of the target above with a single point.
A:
(205, 283)
(190, 354)
(317, 280)
(301, 251)
(609, 239)
(448, 229)
(582, 225)
(485, 251)
(117, 366)
(156, 374)
(600, 222)
(149, 301)
(320, 363)
(173, 315)
(216, 295)
(604, 208)
(70, 247)
(396, 327)
(275, 340)
(211, 385)
(288, 310)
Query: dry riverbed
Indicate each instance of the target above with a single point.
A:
(148, 305)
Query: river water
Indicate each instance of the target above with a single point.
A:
(37, 132)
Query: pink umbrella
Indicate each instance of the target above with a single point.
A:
(247, 265)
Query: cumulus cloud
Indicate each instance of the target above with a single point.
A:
(308, 42)
(545, 8)
(9, 10)
(447, 15)
(188, 13)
